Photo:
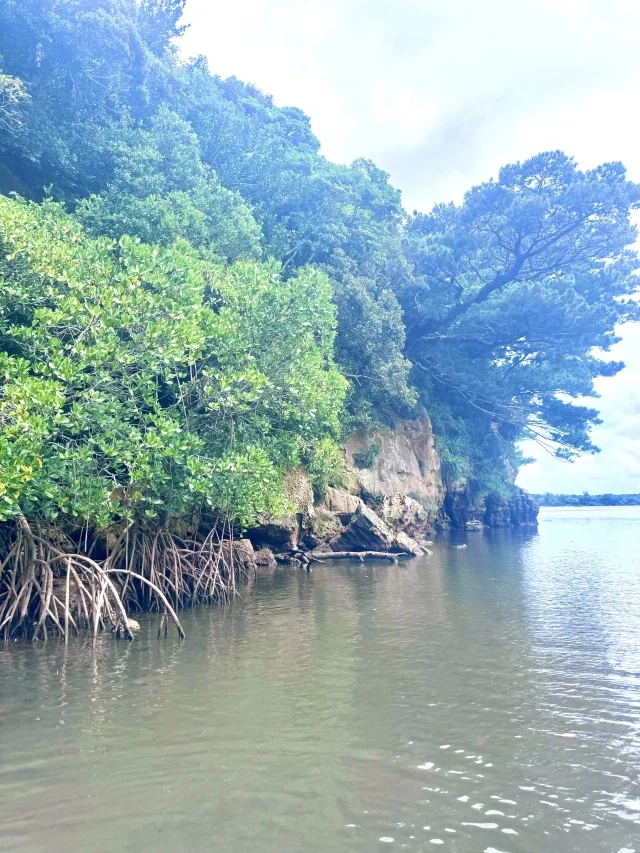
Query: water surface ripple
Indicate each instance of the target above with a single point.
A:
(486, 699)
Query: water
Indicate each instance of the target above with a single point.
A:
(485, 699)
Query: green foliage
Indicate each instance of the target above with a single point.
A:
(12, 94)
(159, 23)
(137, 379)
(512, 292)
(83, 64)
(366, 457)
(491, 312)
(161, 191)
(473, 452)
(585, 499)
(324, 463)
(369, 350)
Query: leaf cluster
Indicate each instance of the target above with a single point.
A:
(494, 313)
(138, 379)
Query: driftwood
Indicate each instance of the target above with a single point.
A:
(320, 557)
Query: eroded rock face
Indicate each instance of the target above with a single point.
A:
(360, 528)
(284, 533)
(343, 522)
(366, 532)
(406, 463)
(519, 511)
(341, 503)
(326, 526)
(241, 553)
(524, 510)
(278, 534)
(497, 512)
(400, 492)
(299, 492)
(405, 514)
(407, 545)
(461, 512)
(265, 559)
(392, 504)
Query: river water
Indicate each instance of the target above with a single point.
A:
(484, 699)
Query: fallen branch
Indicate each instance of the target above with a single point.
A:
(319, 557)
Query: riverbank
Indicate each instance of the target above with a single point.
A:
(390, 503)
(393, 498)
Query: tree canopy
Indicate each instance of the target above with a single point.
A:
(514, 294)
(493, 313)
(136, 378)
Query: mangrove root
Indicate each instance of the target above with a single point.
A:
(49, 586)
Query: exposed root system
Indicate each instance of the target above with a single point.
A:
(51, 585)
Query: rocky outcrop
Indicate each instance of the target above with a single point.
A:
(406, 514)
(279, 534)
(326, 526)
(405, 544)
(366, 532)
(284, 533)
(393, 500)
(461, 512)
(343, 522)
(518, 511)
(400, 463)
(342, 503)
(524, 510)
(299, 493)
(264, 559)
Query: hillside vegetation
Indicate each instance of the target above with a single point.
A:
(193, 300)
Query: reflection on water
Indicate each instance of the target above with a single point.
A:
(485, 699)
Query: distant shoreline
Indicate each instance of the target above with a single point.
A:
(585, 500)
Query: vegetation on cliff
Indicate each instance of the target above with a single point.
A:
(193, 299)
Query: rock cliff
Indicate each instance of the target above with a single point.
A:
(392, 500)
(402, 462)
(520, 510)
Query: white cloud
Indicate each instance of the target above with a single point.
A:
(441, 95)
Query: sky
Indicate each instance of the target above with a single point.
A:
(441, 93)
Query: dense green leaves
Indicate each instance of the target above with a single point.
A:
(585, 499)
(136, 378)
(161, 190)
(12, 94)
(159, 23)
(492, 312)
(511, 293)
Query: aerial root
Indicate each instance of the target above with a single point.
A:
(48, 587)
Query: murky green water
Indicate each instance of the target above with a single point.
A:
(485, 699)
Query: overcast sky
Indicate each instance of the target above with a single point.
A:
(441, 93)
